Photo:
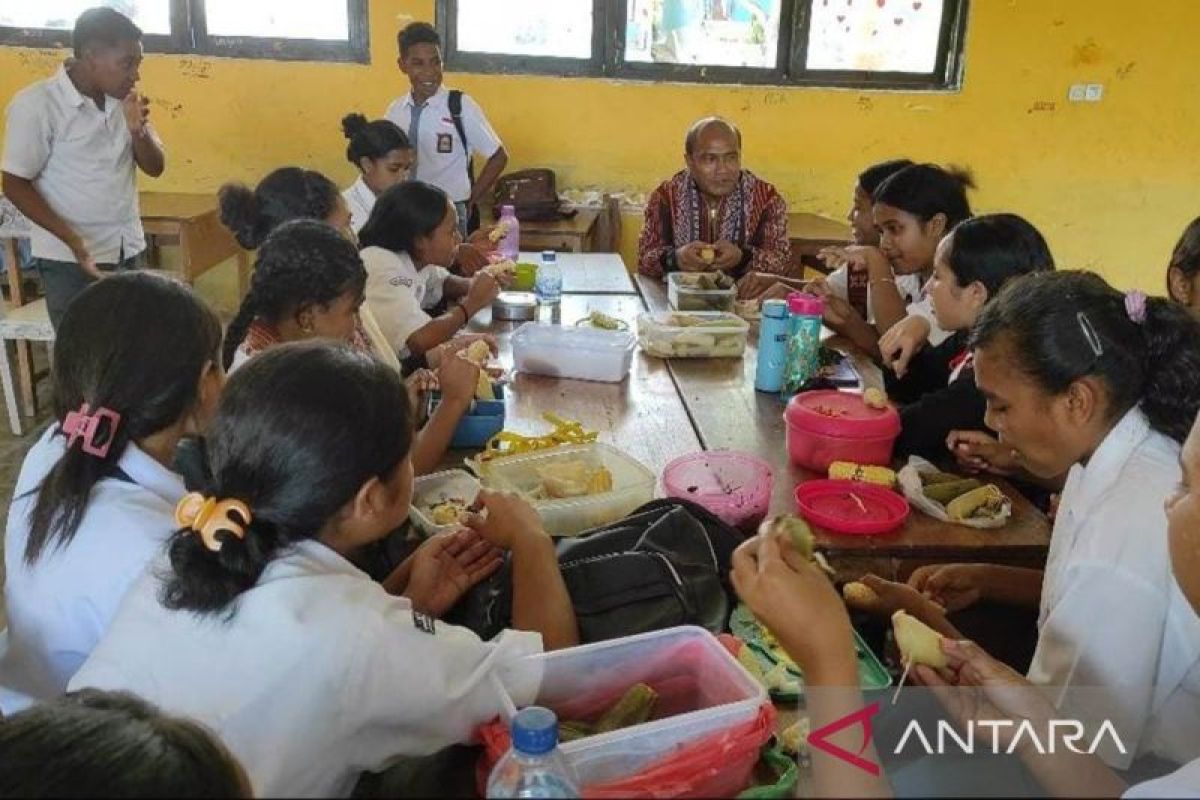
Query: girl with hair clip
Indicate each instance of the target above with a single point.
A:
(1084, 381)
(972, 263)
(382, 154)
(308, 283)
(1184, 268)
(411, 235)
(262, 629)
(137, 366)
(913, 209)
(102, 744)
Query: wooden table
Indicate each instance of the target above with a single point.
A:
(643, 415)
(728, 413)
(193, 219)
(591, 273)
(575, 234)
(809, 233)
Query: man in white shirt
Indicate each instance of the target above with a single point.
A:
(73, 143)
(443, 145)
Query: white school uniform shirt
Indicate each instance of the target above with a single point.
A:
(910, 288)
(316, 676)
(80, 160)
(1116, 638)
(60, 606)
(360, 200)
(398, 294)
(1183, 783)
(440, 156)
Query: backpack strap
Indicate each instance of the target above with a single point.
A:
(455, 102)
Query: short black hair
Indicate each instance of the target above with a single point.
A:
(992, 249)
(104, 26)
(1186, 255)
(417, 33)
(699, 126)
(871, 177)
(402, 214)
(111, 744)
(926, 190)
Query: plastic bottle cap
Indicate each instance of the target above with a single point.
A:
(775, 309)
(802, 304)
(508, 211)
(549, 255)
(535, 730)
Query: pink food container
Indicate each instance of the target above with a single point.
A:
(734, 486)
(828, 426)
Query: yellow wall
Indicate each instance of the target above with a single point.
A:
(1111, 184)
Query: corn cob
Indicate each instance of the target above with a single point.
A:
(847, 471)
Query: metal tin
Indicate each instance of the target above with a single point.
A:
(515, 306)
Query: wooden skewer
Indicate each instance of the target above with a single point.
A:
(896, 695)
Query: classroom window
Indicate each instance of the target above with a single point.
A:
(314, 30)
(869, 43)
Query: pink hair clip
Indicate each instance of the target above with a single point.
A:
(83, 424)
(1135, 306)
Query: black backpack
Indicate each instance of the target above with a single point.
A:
(665, 564)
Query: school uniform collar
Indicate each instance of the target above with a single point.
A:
(152, 476)
(73, 98)
(1098, 478)
(310, 557)
(437, 97)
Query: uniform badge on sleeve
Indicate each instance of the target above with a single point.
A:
(445, 143)
(424, 622)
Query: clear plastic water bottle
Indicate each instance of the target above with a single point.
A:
(534, 767)
(549, 279)
(509, 246)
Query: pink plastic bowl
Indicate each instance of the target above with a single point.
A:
(734, 486)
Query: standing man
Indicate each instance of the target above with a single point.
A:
(714, 215)
(446, 128)
(72, 147)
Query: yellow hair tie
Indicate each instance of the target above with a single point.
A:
(208, 516)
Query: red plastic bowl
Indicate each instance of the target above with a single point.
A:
(832, 505)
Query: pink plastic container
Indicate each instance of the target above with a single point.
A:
(828, 426)
(734, 486)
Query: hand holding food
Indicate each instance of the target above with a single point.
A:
(498, 232)
(903, 341)
(876, 398)
(875, 595)
(469, 259)
(506, 519)
(952, 586)
(483, 290)
(502, 271)
(918, 643)
(459, 379)
(478, 354)
(727, 255)
(979, 451)
(690, 257)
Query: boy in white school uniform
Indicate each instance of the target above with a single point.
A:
(73, 143)
(446, 128)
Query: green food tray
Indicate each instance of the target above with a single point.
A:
(872, 675)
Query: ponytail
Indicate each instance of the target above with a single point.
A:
(1064, 326)
(287, 193)
(136, 345)
(300, 430)
(373, 140)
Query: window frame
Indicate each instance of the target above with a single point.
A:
(608, 55)
(189, 36)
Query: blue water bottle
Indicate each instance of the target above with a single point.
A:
(534, 767)
(772, 346)
(805, 319)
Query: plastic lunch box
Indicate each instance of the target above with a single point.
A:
(827, 426)
(586, 354)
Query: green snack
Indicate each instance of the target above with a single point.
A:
(945, 492)
(572, 730)
(934, 478)
(634, 708)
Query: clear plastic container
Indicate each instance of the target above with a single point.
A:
(586, 354)
(684, 295)
(633, 486)
(702, 691)
(693, 334)
(734, 486)
(431, 490)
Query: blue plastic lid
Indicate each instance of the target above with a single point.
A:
(776, 309)
(549, 255)
(535, 731)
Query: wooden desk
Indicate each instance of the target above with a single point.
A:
(809, 233)
(643, 415)
(203, 241)
(729, 413)
(591, 273)
(571, 235)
